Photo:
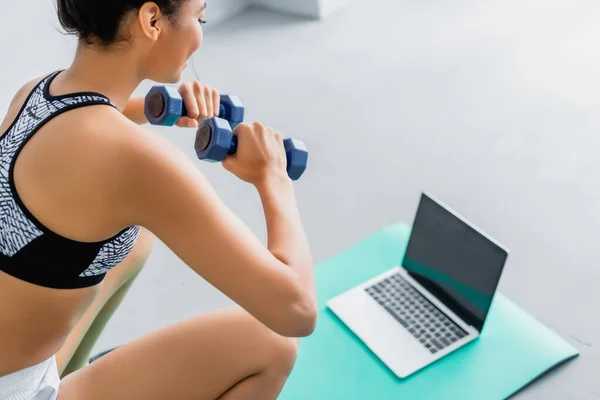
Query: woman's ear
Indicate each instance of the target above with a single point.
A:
(151, 20)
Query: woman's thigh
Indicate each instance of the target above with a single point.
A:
(199, 358)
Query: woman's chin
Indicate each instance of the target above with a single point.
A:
(175, 77)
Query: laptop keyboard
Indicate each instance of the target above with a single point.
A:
(422, 319)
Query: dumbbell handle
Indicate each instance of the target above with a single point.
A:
(234, 145)
(185, 113)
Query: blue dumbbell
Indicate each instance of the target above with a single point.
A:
(215, 141)
(164, 106)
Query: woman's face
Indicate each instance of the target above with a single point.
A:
(177, 43)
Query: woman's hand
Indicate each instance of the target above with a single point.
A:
(260, 154)
(201, 102)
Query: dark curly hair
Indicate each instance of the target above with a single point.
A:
(98, 21)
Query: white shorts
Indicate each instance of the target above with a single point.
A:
(39, 382)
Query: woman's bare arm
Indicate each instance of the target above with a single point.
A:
(165, 192)
(134, 110)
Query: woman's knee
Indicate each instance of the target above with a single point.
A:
(284, 354)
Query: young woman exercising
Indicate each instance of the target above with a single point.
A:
(83, 192)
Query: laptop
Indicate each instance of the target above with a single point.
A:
(436, 301)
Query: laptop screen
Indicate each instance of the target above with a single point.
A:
(455, 262)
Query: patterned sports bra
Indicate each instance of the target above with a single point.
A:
(28, 250)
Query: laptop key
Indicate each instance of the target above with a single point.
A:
(402, 322)
(436, 343)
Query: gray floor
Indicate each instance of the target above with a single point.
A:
(491, 106)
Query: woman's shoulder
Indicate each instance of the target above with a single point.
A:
(28, 87)
(17, 102)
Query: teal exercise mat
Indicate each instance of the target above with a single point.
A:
(512, 351)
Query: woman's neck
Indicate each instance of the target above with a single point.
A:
(113, 73)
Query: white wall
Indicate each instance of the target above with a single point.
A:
(326, 7)
(307, 8)
(220, 10)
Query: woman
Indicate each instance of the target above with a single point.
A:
(83, 190)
